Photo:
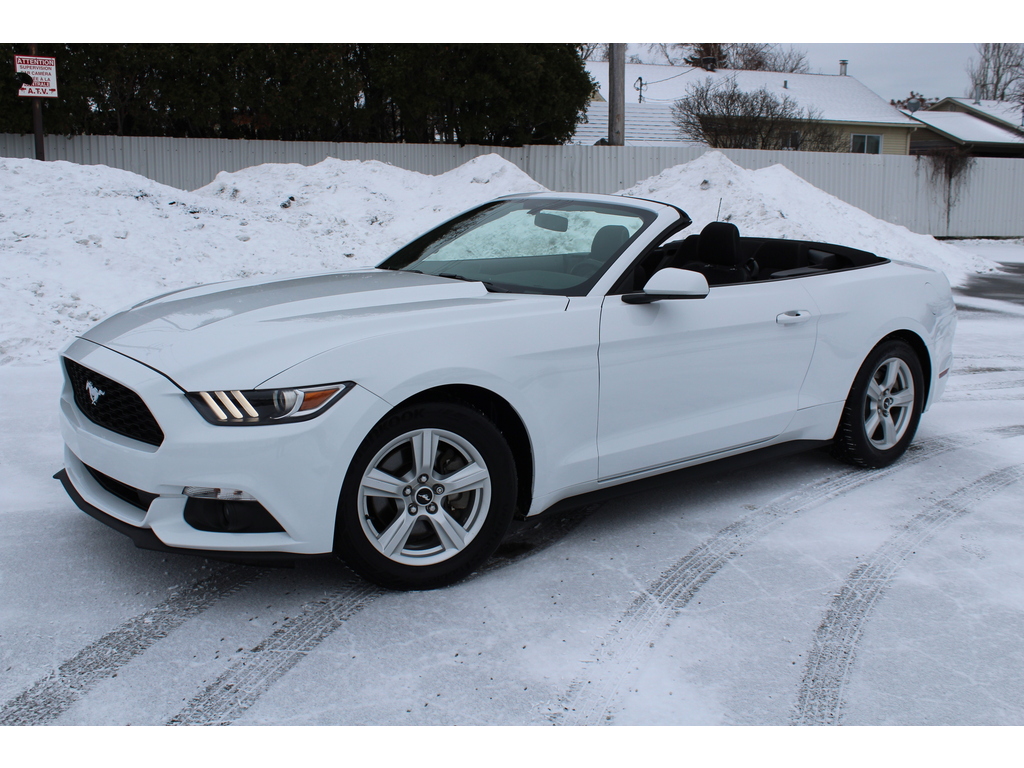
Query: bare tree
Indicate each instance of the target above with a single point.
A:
(767, 57)
(720, 115)
(999, 72)
(700, 54)
(672, 53)
(923, 102)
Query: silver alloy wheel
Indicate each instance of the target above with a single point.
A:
(424, 497)
(889, 403)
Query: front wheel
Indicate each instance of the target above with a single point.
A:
(428, 497)
(883, 408)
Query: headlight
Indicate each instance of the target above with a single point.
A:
(234, 408)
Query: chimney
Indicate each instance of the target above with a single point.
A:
(842, 66)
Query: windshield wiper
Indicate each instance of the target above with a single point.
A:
(491, 287)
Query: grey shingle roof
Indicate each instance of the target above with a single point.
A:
(645, 124)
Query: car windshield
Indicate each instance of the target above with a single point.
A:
(547, 246)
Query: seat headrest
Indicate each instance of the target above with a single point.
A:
(608, 240)
(719, 244)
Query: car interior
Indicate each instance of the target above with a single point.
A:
(718, 253)
(725, 258)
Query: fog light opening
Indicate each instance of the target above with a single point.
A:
(228, 515)
(221, 494)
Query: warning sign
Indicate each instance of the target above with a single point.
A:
(42, 70)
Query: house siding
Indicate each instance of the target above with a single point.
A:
(895, 139)
(926, 140)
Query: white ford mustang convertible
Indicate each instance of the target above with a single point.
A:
(525, 353)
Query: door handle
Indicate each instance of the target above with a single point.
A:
(793, 317)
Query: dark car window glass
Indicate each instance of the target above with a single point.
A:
(558, 247)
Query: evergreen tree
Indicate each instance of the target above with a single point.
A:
(501, 94)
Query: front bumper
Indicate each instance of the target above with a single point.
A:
(294, 470)
(144, 538)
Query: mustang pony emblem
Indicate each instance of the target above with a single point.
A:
(95, 393)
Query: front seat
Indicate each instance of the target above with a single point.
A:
(719, 257)
(608, 240)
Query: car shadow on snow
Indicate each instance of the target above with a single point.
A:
(1005, 285)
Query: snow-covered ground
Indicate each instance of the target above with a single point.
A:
(795, 591)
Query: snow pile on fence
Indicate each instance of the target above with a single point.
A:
(78, 242)
(775, 202)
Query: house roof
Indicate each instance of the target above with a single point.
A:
(837, 98)
(967, 128)
(1004, 112)
(646, 125)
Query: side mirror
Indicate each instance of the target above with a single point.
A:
(670, 283)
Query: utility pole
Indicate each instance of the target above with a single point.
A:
(37, 117)
(616, 94)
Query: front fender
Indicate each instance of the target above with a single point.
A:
(538, 353)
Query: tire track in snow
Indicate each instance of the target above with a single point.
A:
(591, 696)
(831, 658)
(236, 690)
(974, 370)
(968, 397)
(50, 696)
(984, 385)
(964, 384)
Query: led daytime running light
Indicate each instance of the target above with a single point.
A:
(266, 406)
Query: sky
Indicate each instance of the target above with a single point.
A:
(893, 70)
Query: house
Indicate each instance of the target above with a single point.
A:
(867, 122)
(984, 128)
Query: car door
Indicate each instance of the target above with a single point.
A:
(687, 378)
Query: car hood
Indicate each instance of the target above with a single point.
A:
(248, 331)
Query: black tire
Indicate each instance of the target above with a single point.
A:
(428, 497)
(884, 407)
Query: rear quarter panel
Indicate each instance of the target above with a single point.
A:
(858, 308)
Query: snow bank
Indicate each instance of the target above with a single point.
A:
(775, 202)
(78, 242)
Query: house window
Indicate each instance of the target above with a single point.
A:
(866, 144)
(791, 140)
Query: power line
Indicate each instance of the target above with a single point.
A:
(640, 85)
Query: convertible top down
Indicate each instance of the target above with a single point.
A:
(526, 352)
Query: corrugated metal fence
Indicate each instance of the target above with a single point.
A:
(896, 188)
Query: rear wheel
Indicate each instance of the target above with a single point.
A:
(884, 407)
(428, 497)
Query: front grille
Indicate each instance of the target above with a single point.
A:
(123, 491)
(112, 405)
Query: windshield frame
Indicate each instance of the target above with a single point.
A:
(410, 257)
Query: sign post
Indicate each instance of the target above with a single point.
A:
(39, 81)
